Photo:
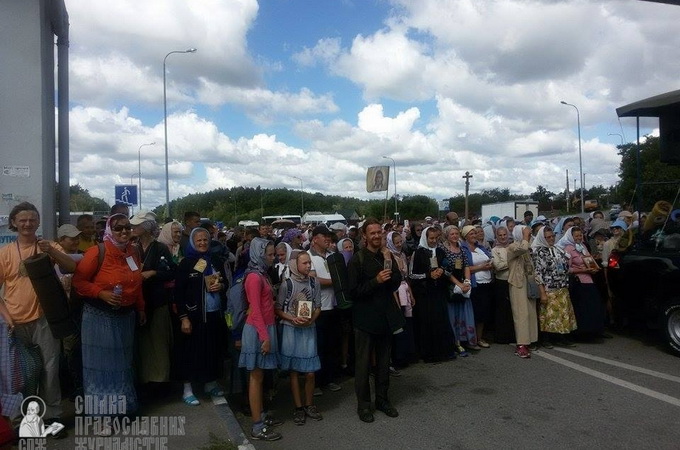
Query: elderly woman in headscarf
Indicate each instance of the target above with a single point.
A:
(585, 296)
(154, 340)
(562, 226)
(293, 237)
(170, 235)
(551, 265)
(481, 276)
(520, 269)
(403, 349)
(198, 289)
(259, 344)
(504, 330)
(431, 289)
(113, 292)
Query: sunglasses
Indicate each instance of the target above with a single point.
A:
(119, 228)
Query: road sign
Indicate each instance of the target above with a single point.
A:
(126, 194)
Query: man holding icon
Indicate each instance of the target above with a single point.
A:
(372, 281)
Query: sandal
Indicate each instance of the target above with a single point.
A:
(191, 400)
(216, 392)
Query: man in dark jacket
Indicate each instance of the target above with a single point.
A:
(376, 318)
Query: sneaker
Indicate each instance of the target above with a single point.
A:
(299, 417)
(265, 434)
(533, 346)
(318, 392)
(333, 387)
(482, 343)
(522, 351)
(461, 351)
(272, 421)
(547, 344)
(394, 372)
(312, 412)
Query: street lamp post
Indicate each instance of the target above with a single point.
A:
(165, 127)
(396, 209)
(580, 161)
(139, 173)
(302, 196)
(617, 134)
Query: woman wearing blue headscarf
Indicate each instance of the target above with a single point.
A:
(198, 286)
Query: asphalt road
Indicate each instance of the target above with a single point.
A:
(617, 394)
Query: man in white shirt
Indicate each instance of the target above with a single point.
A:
(328, 325)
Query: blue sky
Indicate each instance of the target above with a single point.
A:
(323, 89)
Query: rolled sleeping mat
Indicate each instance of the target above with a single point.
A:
(51, 295)
(658, 216)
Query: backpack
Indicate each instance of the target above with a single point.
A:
(237, 307)
(289, 292)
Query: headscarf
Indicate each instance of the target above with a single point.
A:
(345, 254)
(560, 224)
(500, 244)
(539, 241)
(258, 248)
(517, 233)
(423, 242)
(568, 239)
(108, 233)
(390, 244)
(290, 234)
(281, 266)
(193, 253)
(597, 225)
(166, 237)
(292, 265)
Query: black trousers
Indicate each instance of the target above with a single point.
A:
(364, 344)
(329, 345)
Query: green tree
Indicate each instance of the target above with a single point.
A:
(660, 181)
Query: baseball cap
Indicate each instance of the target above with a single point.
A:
(321, 229)
(339, 226)
(619, 223)
(68, 230)
(141, 217)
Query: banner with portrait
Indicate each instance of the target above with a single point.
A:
(377, 178)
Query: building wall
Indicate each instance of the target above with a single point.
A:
(27, 111)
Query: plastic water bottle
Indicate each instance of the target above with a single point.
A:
(118, 290)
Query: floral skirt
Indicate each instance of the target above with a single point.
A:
(557, 315)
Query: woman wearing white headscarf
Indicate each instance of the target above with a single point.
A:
(404, 345)
(430, 289)
(504, 332)
(556, 314)
(588, 305)
(523, 307)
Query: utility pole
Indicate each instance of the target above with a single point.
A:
(467, 177)
(568, 198)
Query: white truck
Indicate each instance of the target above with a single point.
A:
(513, 208)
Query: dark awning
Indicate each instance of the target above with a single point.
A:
(652, 106)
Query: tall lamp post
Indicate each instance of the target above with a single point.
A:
(165, 127)
(617, 134)
(302, 196)
(580, 161)
(139, 168)
(396, 209)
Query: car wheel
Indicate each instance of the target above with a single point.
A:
(671, 322)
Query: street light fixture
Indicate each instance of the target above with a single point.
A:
(302, 196)
(396, 209)
(139, 167)
(617, 134)
(580, 160)
(165, 127)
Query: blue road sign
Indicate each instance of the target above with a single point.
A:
(126, 194)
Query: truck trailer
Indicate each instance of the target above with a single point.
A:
(514, 209)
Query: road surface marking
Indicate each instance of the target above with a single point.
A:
(652, 373)
(603, 376)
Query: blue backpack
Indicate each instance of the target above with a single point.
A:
(237, 307)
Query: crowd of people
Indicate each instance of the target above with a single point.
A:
(323, 302)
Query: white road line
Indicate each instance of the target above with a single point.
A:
(603, 376)
(652, 373)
